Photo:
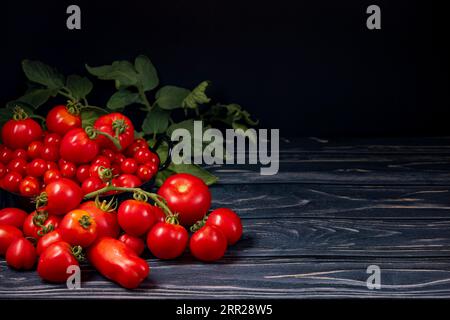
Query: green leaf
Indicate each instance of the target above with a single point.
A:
(197, 96)
(43, 74)
(195, 170)
(121, 99)
(122, 72)
(156, 121)
(161, 176)
(186, 124)
(147, 74)
(79, 86)
(171, 97)
(37, 96)
(88, 117)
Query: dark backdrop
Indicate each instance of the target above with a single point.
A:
(306, 67)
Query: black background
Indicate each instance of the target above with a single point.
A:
(306, 67)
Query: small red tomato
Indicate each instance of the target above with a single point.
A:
(105, 218)
(48, 239)
(128, 181)
(77, 147)
(61, 119)
(7, 235)
(144, 173)
(68, 170)
(159, 214)
(29, 187)
(20, 153)
(83, 172)
(37, 168)
(11, 181)
(52, 165)
(94, 170)
(21, 254)
(91, 184)
(78, 228)
(135, 217)
(228, 221)
(52, 139)
(51, 175)
(119, 158)
(143, 155)
(38, 224)
(34, 149)
(50, 152)
(18, 165)
(55, 261)
(109, 154)
(13, 217)
(18, 134)
(2, 170)
(102, 160)
(62, 196)
(112, 124)
(134, 243)
(167, 241)
(208, 244)
(115, 168)
(136, 145)
(129, 166)
(5, 156)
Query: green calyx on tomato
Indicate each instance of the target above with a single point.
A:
(85, 221)
(77, 252)
(39, 220)
(105, 206)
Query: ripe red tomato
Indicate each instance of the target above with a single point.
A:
(30, 229)
(37, 168)
(49, 152)
(83, 172)
(104, 161)
(18, 165)
(228, 221)
(51, 175)
(112, 123)
(119, 158)
(7, 235)
(11, 181)
(77, 147)
(143, 156)
(63, 195)
(29, 187)
(52, 139)
(167, 241)
(135, 217)
(60, 120)
(94, 170)
(13, 217)
(187, 195)
(18, 134)
(78, 228)
(6, 155)
(91, 184)
(134, 243)
(107, 224)
(54, 262)
(128, 181)
(20, 153)
(109, 154)
(34, 149)
(159, 214)
(48, 239)
(135, 146)
(2, 170)
(145, 173)
(129, 166)
(68, 170)
(208, 244)
(52, 166)
(21, 254)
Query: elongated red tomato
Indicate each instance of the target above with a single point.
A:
(167, 241)
(228, 221)
(117, 262)
(135, 217)
(112, 123)
(48, 239)
(134, 243)
(78, 228)
(60, 120)
(77, 147)
(55, 260)
(13, 217)
(18, 134)
(208, 244)
(7, 235)
(62, 196)
(21, 254)
(106, 220)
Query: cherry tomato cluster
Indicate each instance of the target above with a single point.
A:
(31, 158)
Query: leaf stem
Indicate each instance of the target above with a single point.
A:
(144, 98)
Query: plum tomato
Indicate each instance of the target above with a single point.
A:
(21, 254)
(13, 217)
(134, 243)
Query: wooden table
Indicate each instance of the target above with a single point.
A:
(335, 208)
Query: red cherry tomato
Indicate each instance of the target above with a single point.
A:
(129, 166)
(61, 120)
(13, 217)
(7, 235)
(63, 195)
(109, 154)
(78, 228)
(29, 187)
(21, 254)
(187, 195)
(52, 165)
(111, 123)
(145, 173)
(115, 168)
(54, 262)
(2, 170)
(208, 244)
(48, 239)
(68, 170)
(135, 217)
(52, 139)
(5, 156)
(135, 146)
(50, 152)
(18, 134)
(128, 181)
(143, 156)
(159, 214)
(20, 153)
(83, 173)
(18, 165)
(106, 220)
(104, 161)
(119, 158)
(51, 175)
(94, 170)
(34, 149)
(167, 241)
(77, 147)
(91, 184)
(11, 181)
(31, 227)
(37, 168)
(134, 243)
(228, 221)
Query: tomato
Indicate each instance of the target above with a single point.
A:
(128, 181)
(143, 156)
(106, 219)
(228, 221)
(91, 184)
(119, 158)
(115, 168)
(68, 170)
(20, 153)
(145, 173)
(37, 168)
(112, 123)
(62, 195)
(167, 241)
(52, 139)
(11, 181)
(135, 217)
(108, 154)
(78, 228)
(21, 254)
(31, 227)
(18, 165)
(77, 147)
(29, 187)
(129, 166)
(186, 195)
(135, 146)
(7, 235)
(48, 239)
(134, 243)
(2, 170)
(5, 156)
(55, 260)
(208, 244)
(94, 170)
(159, 214)
(117, 262)
(52, 166)
(50, 152)
(13, 217)
(51, 175)
(34, 149)
(102, 160)
(83, 173)
(18, 134)
(61, 120)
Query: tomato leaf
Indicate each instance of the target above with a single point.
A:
(171, 97)
(89, 116)
(122, 72)
(147, 74)
(197, 96)
(41, 73)
(195, 170)
(79, 86)
(37, 96)
(161, 176)
(156, 121)
(121, 99)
